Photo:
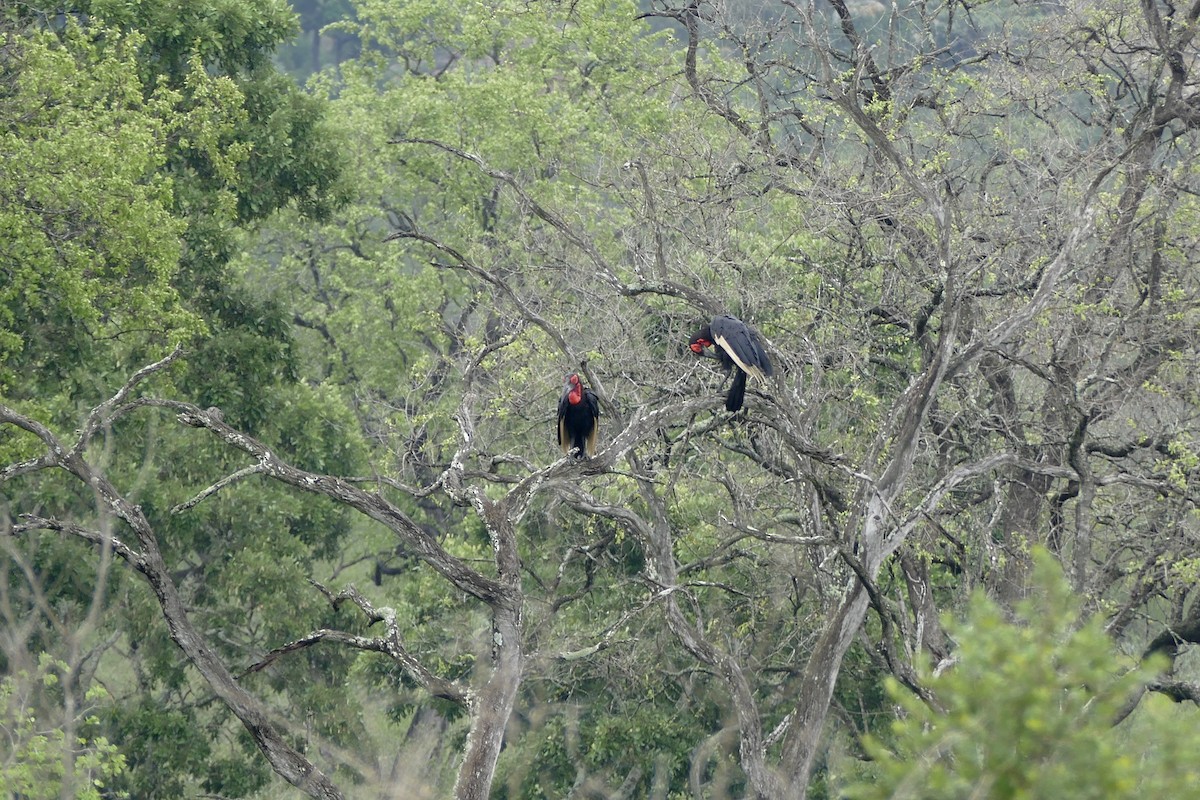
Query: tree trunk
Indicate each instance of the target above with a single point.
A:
(492, 706)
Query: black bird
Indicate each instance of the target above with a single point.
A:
(738, 347)
(578, 410)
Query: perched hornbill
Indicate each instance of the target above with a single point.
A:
(578, 409)
(738, 347)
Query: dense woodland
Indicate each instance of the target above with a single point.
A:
(288, 294)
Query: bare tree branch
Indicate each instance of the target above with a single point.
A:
(284, 759)
(228, 480)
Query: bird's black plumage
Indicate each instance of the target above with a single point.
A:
(736, 347)
(578, 412)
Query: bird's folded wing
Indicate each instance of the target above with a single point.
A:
(742, 351)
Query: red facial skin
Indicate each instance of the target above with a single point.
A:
(699, 345)
(576, 394)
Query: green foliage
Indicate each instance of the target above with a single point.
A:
(1029, 709)
(38, 762)
(164, 744)
(167, 185)
(584, 733)
(230, 36)
(139, 140)
(86, 209)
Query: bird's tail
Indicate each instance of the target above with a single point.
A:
(737, 391)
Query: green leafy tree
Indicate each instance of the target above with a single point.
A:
(92, 253)
(800, 167)
(39, 762)
(965, 235)
(143, 141)
(1028, 710)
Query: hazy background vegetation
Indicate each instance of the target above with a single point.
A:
(287, 295)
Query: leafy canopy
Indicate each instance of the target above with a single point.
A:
(1029, 710)
(34, 767)
(86, 215)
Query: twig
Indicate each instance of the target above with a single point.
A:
(104, 413)
(36, 523)
(390, 645)
(244, 472)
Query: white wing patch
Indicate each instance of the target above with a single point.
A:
(749, 370)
